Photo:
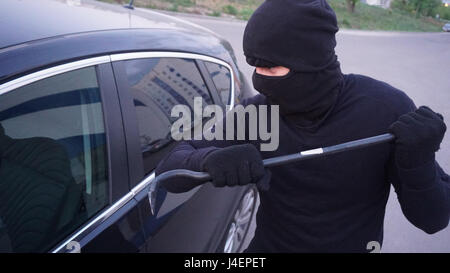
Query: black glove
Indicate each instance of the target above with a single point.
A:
(237, 165)
(418, 136)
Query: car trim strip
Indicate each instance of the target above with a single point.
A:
(108, 212)
(52, 71)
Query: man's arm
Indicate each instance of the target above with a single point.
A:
(228, 166)
(229, 162)
(186, 155)
(424, 195)
(422, 186)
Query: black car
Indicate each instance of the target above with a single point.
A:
(86, 92)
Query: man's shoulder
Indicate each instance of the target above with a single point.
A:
(380, 92)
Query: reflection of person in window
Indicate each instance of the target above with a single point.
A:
(38, 195)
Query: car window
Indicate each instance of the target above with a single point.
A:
(157, 85)
(53, 165)
(221, 77)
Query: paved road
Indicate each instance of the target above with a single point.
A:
(419, 64)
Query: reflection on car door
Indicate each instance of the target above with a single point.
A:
(149, 89)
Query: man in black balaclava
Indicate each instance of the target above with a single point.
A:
(299, 36)
(334, 203)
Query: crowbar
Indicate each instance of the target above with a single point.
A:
(203, 177)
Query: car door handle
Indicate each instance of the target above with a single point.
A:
(203, 177)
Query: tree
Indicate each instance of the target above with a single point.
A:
(351, 5)
(424, 7)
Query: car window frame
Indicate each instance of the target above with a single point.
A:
(135, 160)
(119, 195)
(139, 179)
(210, 82)
(123, 196)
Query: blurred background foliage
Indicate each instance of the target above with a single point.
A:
(402, 15)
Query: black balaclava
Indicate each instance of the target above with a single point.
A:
(300, 35)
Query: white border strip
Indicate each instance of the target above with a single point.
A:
(52, 71)
(33, 77)
(317, 151)
(111, 210)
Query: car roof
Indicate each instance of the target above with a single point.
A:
(27, 20)
(44, 33)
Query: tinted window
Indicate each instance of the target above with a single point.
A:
(157, 85)
(221, 77)
(53, 168)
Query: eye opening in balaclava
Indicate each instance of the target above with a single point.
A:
(257, 62)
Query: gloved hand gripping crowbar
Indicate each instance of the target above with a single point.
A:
(203, 177)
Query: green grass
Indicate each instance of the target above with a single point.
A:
(230, 9)
(183, 3)
(444, 12)
(365, 17)
(245, 13)
(376, 18)
(215, 13)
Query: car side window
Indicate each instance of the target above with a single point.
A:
(157, 85)
(53, 164)
(221, 77)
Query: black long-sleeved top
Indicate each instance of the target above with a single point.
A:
(336, 203)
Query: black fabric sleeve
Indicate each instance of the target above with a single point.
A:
(190, 154)
(423, 193)
(183, 156)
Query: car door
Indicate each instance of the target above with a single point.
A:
(64, 185)
(150, 84)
